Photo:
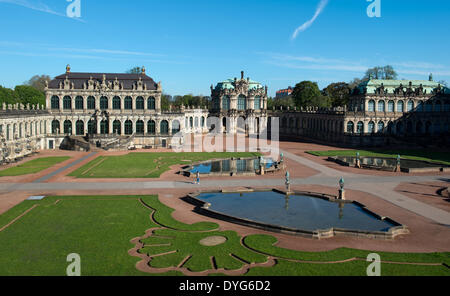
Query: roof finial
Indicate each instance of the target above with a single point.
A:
(430, 78)
(68, 68)
(242, 75)
(143, 70)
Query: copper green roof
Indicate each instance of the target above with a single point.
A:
(391, 85)
(229, 84)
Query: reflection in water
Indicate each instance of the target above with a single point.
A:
(232, 165)
(389, 162)
(294, 211)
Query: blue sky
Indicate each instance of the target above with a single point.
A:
(189, 45)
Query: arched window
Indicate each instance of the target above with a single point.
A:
(139, 103)
(284, 122)
(104, 127)
(117, 104)
(371, 106)
(151, 127)
(164, 130)
(419, 127)
(409, 127)
(350, 127)
(151, 103)
(68, 127)
(242, 102)
(447, 106)
(55, 103)
(437, 128)
(360, 128)
(56, 128)
(258, 103)
(196, 122)
(420, 106)
(371, 127)
(117, 127)
(428, 128)
(437, 106)
(176, 128)
(399, 128)
(410, 106)
(140, 126)
(391, 105)
(203, 121)
(103, 103)
(128, 127)
(8, 136)
(80, 128)
(428, 106)
(91, 103)
(400, 106)
(381, 106)
(92, 127)
(79, 104)
(225, 103)
(20, 131)
(191, 122)
(380, 127)
(128, 103)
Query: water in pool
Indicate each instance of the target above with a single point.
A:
(390, 162)
(229, 165)
(297, 212)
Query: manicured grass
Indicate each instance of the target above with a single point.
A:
(145, 165)
(99, 229)
(32, 166)
(424, 155)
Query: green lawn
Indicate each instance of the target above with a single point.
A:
(32, 166)
(423, 154)
(145, 165)
(99, 229)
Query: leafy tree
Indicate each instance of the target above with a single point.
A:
(135, 70)
(26, 94)
(165, 102)
(282, 102)
(386, 73)
(7, 96)
(338, 93)
(307, 93)
(38, 82)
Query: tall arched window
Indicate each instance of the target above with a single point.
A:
(371, 106)
(437, 106)
(92, 127)
(360, 128)
(410, 106)
(203, 121)
(420, 106)
(437, 128)
(176, 128)
(191, 122)
(117, 127)
(103, 103)
(371, 127)
(151, 103)
(258, 103)
(139, 103)
(68, 127)
(20, 130)
(428, 106)
(400, 128)
(128, 127)
(128, 103)
(381, 106)
(428, 128)
(196, 122)
(400, 106)
(350, 127)
(56, 128)
(117, 105)
(140, 127)
(409, 127)
(55, 103)
(164, 127)
(447, 106)
(80, 128)
(242, 102)
(104, 127)
(151, 127)
(79, 104)
(225, 103)
(419, 127)
(391, 105)
(91, 103)
(380, 127)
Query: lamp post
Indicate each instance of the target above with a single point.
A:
(341, 189)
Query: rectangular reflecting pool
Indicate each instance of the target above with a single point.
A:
(231, 165)
(390, 162)
(299, 212)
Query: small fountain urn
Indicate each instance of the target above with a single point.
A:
(288, 183)
(341, 189)
(399, 163)
(358, 161)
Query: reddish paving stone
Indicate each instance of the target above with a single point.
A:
(426, 192)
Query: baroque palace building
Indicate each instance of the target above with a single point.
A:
(380, 112)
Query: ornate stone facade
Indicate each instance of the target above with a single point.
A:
(240, 105)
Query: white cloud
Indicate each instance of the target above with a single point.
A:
(320, 8)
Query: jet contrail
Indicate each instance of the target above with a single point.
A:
(306, 25)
